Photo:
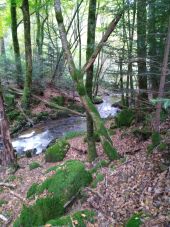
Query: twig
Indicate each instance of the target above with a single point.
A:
(7, 185)
(18, 196)
(95, 192)
(72, 221)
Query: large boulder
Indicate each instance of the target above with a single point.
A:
(54, 193)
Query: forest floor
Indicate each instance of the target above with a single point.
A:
(135, 183)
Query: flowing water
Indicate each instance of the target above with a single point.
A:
(41, 135)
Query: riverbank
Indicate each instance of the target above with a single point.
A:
(137, 183)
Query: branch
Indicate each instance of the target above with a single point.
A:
(7, 185)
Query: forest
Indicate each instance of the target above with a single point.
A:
(85, 113)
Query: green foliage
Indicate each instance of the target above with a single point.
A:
(150, 148)
(110, 151)
(163, 101)
(81, 88)
(162, 146)
(72, 134)
(38, 214)
(57, 151)
(12, 115)
(80, 218)
(143, 133)
(99, 177)
(9, 99)
(42, 116)
(59, 100)
(124, 118)
(2, 202)
(66, 182)
(11, 178)
(156, 139)
(134, 221)
(32, 190)
(34, 165)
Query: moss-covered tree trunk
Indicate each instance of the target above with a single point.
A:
(141, 49)
(92, 154)
(78, 78)
(28, 55)
(15, 42)
(7, 155)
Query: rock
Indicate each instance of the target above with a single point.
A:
(97, 100)
(57, 151)
(66, 181)
(118, 105)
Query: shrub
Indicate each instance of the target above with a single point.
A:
(134, 221)
(59, 100)
(156, 139)
(34, 165)
(57, 151)
(12, 115)
(32, 190)
(124, 118)
(80, 219)
(9, 99)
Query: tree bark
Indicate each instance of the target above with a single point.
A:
(7, 155)
(15, 42)
(162, 80)
(28, 55)
(78, 78)
(141, 49)
(91, 30)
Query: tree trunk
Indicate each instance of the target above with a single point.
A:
(7, 155)
(141, 49)
(78, 78)
(162, 80)
(28, 55)
(15, 42)
(92, 154)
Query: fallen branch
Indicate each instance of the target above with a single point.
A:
(53, 105)
(7, 185)
(24, 114)
(94, 192)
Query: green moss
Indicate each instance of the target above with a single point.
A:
(80, 219)
(39, 213)
(156, 139)
(134, 221)
(9, 99)
(32, 190)
(81, 88)
(57, 151)
(124, 118)
(59, 100)
(2, 202)
(162, 146)
(34, 165)
(67, 180)
(99, 177)
(12, 115)
(110, 151)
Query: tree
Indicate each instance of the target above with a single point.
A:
(7, 155)
(141, 49)
(28, 55)
(89, 76)
(16, 42)
(77, 76)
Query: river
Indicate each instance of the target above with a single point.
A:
(39, 137)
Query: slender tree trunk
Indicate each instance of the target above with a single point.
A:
(28, 55)
(7, 156)
(162, 80)
(91, 30)
(141, 49)
(78, 78)
(16, 43)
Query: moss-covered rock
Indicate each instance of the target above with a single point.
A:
(124, 118)
(65, 183)
(34, 165)
(38, 214)
(57, 151)
(97, 100)
(79, 219)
